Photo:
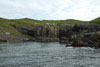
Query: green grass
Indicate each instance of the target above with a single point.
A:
(6, 28)
(97, 20)
(25, 21)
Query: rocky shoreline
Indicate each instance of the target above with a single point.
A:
(77, 35)
(86, 40)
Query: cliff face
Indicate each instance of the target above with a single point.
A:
(87, 40)
(69, 32)
(41, 33)
(62, 33)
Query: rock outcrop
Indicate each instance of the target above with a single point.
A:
(78, 35)
(69, 32)
(87, 40)
(41, 33)
(52, 33)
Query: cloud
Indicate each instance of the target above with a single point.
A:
(50, 9)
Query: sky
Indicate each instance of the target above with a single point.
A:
(50, 9)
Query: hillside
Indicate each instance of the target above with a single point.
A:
(97, 20)
(6, 24)
(29, 28)
(40, 22)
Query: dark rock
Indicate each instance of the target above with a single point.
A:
(64, 33)
(3, 40)
(25, 30)
(87, 40)
(86, 28)
(47, 33)
(69, 32)
(51, 31)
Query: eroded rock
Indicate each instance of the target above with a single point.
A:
(87, 40)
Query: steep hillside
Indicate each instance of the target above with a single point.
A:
(97, 20)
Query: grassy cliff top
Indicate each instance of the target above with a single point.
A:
(40, 22)
(28, 21)
(97, 20)
(6, 24)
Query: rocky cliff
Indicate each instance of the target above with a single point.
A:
(62, 33)
(73, 32)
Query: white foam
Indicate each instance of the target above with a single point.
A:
(69, 47)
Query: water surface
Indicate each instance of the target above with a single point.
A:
(33, 54)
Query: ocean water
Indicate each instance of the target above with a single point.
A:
(54, 54)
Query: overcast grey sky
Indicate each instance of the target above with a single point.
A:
(50, 9)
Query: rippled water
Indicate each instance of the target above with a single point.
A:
(32, 54)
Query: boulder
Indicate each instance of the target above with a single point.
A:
(3, 40)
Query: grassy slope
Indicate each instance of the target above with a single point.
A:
(97, 20)
(38, 22)
(5, 24)
(5, 27)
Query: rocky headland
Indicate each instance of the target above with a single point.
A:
(73, 32)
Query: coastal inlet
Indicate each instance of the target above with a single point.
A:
(54, 54)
